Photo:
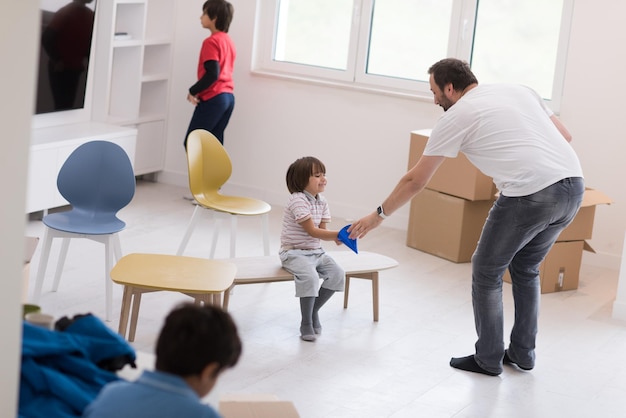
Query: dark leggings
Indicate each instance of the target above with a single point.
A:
(212, 115)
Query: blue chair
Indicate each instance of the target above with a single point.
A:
(97, 180)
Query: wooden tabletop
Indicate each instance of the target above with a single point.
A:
(174, 273)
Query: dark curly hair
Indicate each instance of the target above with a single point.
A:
(452, 71)
(195, 336)
(220, 9)
(299, 172)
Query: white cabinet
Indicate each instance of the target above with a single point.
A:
(133, 68)
(51, 146)
(147, 155)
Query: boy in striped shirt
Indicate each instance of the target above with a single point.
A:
(304, 227)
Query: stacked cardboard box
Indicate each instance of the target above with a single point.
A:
(447, 217)
(561, 268)
(446, 226)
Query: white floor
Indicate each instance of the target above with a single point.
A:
(397, 367)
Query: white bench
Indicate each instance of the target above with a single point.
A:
(267, 269)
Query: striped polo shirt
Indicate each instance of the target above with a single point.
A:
(300, 207)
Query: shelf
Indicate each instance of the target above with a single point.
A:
(155, 77)
(156, 59)
(150, 150)
(157, 41)
(153, 98)
(133, 88)
(130, 18)
(134, 122)
(127, 43)
(161, 14)
(155, 117)
(125, 84)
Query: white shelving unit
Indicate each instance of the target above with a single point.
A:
(132, 80)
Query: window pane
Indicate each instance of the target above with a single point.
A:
(517, 41)
(408, 36)
(314, 32)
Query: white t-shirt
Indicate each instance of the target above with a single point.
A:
(506, 132)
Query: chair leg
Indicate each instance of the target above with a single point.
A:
(226, 299)
(190, 227)
(233, 235)
(125, 310)
(217, 300)
(134, 314)
(65, 245)
(117, 248)
(265, 220)
(217, 223)
(43, 263)
(113, 247)
(109, 251)
(374, 278)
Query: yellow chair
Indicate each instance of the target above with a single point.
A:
(210, 168)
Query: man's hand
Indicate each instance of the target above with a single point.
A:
(361, 227)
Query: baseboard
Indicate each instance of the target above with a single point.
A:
(619, 310)
(601, 259)
(172, 178)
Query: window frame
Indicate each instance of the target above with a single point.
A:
(461, 31)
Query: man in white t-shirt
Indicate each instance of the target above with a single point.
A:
(509, 134)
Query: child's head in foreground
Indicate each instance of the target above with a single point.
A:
(197, 343)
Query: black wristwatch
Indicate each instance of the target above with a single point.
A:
(380, 212)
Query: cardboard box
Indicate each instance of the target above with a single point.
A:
(560, 269)
(455, 176)
(582, 226)
(30, 244)
(446, 226)
(256, 406)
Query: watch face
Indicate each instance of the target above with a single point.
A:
(379, 210)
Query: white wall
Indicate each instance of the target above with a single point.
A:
(19, 32)
(363, 138)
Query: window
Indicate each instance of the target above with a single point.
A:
(388, 45)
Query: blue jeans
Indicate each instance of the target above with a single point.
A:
(517, 235)
(212, 115)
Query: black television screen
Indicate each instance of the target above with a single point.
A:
(66, 35)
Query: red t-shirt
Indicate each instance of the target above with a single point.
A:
(218, 47)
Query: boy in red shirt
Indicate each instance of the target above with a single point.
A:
(212, 95)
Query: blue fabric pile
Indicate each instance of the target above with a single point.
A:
(63, 370)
